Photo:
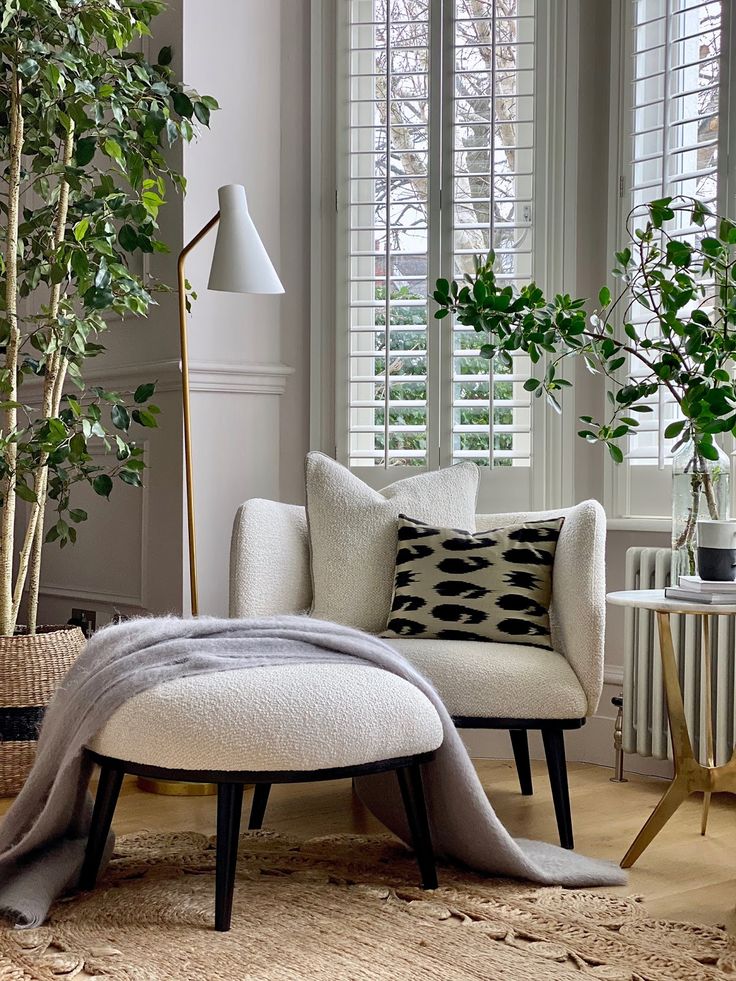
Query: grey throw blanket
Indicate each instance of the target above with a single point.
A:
(43, 836)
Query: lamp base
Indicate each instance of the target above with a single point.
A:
(176, 788)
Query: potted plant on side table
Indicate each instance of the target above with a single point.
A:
(670, 329)
(84, 126)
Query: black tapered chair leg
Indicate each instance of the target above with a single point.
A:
(108, 790)
(258, 806)
(229, 808)
(520, 746)
(554, 750)
(412, 794)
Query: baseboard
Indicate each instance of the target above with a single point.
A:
(591, 744)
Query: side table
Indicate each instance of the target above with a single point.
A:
(691, 776)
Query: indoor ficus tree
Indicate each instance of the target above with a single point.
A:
(672, 326)
(85, 124)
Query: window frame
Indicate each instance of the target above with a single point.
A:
(619, 490)
(550, 475)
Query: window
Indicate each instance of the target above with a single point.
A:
(673, 142)
(442, 154)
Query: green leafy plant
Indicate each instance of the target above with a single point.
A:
(85, 124)
(672, 325)
(685, 340)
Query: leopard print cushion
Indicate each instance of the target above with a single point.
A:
(490, 586)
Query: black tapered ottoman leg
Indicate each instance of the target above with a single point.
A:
(258, 806)
(520, 746)
(554, 750)
(108, 789)
(229, 807)
(412, 794)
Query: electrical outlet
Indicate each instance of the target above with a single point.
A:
(86, 619)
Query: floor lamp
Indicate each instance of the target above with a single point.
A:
(240, 264)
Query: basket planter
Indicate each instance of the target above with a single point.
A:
(31, 667)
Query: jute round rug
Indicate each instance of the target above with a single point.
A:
(345, 908)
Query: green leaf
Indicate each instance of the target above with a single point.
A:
(202, 113)
(77, 515)
(616, 453)
(711, 246)
(131, 477)
(143, 418)
(113, 149)
(679, 253)
(86, 147)
(604, 297)
(81, 228)
(120, 417)
(182, 104)
(165, 55)
(674, 429)
(102, 485)
(708, 450)
(144, 392)
(531, 384)
(28, 68)
(25, 493)
(128, 238)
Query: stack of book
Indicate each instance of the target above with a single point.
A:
(693, 589)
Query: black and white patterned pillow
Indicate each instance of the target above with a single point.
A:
(493, 585)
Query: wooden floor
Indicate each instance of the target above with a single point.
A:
(681, 875)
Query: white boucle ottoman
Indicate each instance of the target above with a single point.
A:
(267, 725)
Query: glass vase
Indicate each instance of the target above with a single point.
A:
(700, 489)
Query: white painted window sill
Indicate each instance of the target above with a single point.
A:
(637, 523)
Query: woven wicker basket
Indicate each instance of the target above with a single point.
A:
(31, 667)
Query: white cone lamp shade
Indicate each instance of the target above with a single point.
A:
(240, 263)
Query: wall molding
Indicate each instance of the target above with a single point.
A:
(240, 377)
(80, 595)
(221, 376)
(137, 601)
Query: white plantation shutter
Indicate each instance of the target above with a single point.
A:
(438, 101)
(493, 207)
(388, 177)
(674, 136)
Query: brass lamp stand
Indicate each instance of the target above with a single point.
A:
(240, 264)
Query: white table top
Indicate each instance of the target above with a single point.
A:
(654, 599)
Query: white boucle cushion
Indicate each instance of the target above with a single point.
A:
(491, 680)
(286, 717)
(353, 533)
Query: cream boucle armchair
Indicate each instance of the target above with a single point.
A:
(484, 685)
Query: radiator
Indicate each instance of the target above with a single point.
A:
(645, 715)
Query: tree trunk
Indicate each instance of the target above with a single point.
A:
(7, 518)
(53, 387)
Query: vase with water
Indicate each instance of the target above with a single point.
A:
(700, 489)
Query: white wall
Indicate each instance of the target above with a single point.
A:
(133, 551)
(233, 51)
(295, 243)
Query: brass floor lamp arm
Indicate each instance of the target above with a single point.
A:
(187, 409)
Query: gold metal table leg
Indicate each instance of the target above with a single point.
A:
(690, 776)
(673, 797)
(686, 766)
